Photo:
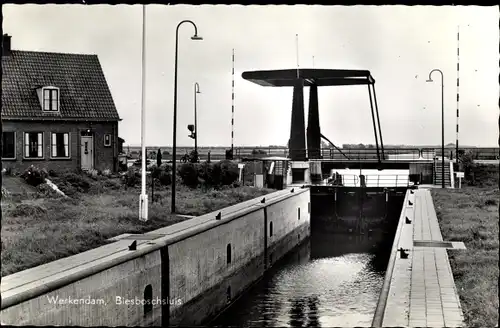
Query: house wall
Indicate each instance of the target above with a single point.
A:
(104, 157)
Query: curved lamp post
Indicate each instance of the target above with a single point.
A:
(442, 122)
(174, 146)
(196, 92)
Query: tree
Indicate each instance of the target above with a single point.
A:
(158, 158)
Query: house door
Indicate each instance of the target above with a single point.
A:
(87, 152)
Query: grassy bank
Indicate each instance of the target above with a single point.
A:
(471, 215)
(46, 228)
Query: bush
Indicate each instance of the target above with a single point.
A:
(163, 174)
(256, 151)
(35, 176)
(5, 193)
(209, 174)
(46, 191)
(229, 172)
(189, 174)
(112, 184)
(106, 173)
(28, 210)
(132, 178)
(77, 181)
(52, 173)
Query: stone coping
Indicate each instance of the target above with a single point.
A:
(30, 283)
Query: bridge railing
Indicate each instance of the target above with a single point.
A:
(477, 153)
(388, 180)
(391, 153)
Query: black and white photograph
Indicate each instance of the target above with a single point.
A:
(230, 165)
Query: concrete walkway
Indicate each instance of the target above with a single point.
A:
(422, 291)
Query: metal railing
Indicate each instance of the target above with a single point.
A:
(219, 153)
(388, 180)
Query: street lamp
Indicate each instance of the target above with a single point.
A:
(174, 146)
(196, 91)
(442, 122)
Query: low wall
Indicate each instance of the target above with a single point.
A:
(187, 272)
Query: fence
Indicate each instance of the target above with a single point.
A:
(219, 153)
(393, 180)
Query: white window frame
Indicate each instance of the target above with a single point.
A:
(107, 144)
(52, 145)
(15, 145)
(24, 145)
(58, 99)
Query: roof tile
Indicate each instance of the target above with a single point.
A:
(84, 91)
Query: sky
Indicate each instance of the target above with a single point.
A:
(400, 45)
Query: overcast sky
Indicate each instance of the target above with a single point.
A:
(398, 44)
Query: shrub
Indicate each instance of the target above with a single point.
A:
(52, 173)
(256, 151)
(5, 193)
(189, 174)
(132, 178)
(112, 184)
(34, 176)
(107, 173)
(28, 210)
(467, 162)
(209, 174)
(229, 172)
(77, 181)
(46, 191)
(7, 171)
(162, 174)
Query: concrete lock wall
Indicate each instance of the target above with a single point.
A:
(200, 274)
(124, 281)
(185, 270)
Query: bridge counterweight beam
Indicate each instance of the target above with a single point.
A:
(373, 120)
(378, 121)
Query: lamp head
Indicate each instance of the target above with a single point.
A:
(429, 80)
(196, 37)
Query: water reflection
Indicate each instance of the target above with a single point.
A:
(331, 280)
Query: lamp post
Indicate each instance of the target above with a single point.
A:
(442, 121)
(174, 146)
(196, 91)
(143, 198)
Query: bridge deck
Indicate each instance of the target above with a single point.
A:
(422, 291)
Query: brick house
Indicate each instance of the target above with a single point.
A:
(57, 112)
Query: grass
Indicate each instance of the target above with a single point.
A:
(470, 215)
(46, 227)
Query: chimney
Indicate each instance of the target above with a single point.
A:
(6, 45)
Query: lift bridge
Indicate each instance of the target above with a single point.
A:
(306, 165)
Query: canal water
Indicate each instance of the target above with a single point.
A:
(330, 280)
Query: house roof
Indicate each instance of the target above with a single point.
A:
(84, 92)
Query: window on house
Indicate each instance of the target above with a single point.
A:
(51, 99)
(33, 145)
(107, 140)
(60, 145)
(8, 145)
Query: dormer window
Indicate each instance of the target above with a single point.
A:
(50, 100)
